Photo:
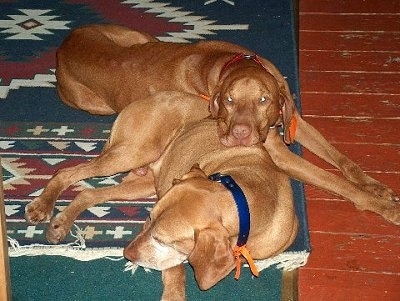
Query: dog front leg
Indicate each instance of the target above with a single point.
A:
(174, 282)
(302, 170)
(314, 141)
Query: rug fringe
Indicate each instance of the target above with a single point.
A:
(67, 250)
(78, 250)
(286, 261)
(132, 267)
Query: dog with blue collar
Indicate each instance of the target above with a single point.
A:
(227, 206)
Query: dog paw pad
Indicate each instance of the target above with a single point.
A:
(57, 230)
(37, 212)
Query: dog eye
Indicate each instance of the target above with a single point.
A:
(263, 99)
(229, 99)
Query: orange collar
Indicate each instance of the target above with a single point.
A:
(205, 97)
(292, 128)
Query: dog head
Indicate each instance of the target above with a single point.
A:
(247, 102)
(182, 226)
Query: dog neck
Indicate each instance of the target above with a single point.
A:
(244, 221)
(237, 58)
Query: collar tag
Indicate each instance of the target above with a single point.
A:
(243, 251)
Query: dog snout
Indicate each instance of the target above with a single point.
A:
(130, 254)
(238, 134)
(241, 131)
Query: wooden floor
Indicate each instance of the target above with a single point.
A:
(350, 91)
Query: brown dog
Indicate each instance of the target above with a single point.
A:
(196, 218)
(103, 68)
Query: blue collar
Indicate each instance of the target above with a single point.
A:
(241, 204)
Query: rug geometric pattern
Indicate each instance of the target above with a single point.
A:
(28, 162)
(32, 31)
(39, 135)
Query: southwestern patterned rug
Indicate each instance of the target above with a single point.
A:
(39, 135)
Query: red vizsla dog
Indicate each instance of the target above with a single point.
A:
(195, 218)
(103, 68)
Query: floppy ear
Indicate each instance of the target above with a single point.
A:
(214, 103)
(212, 257)
(288, 115)
(288, 107)
(195, 172)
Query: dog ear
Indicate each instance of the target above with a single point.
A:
(212, 257)
(195, 172)
(288, 109)
(214, 103)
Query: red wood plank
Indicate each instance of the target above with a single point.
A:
(340, 41)
(334, 285)
(349, 82)
(313, 193)
(342, 217)
(348, 22)
(350, 61)
(355, 252)
(355, 130)
(343, 35)
(378, 106)
(350, 6)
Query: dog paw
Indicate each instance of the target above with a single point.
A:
(38, 211)
(381, 191)
(389, 210)
(392, 213)
(57, 229)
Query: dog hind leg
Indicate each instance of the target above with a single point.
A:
(113, 160)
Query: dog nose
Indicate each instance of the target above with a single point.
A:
(241, 131)
(130, 254)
